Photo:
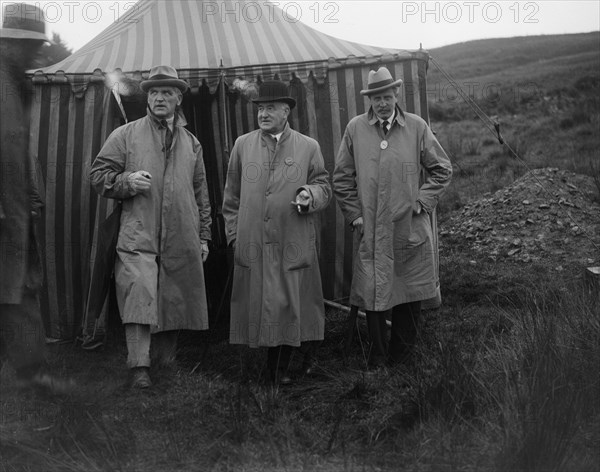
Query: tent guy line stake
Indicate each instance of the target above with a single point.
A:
(494, 128)
(491, 125)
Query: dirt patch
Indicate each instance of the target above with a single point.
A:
(548, 215)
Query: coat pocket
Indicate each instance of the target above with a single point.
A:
(299, 251)
(402, 227)
(420, 229)
(411, 232)
(247, 253)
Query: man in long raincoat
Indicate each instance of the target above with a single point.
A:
(22, 336)
(155, 166)
(378, 187)
(276, 183)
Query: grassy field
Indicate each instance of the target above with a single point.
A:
(505, 379)
(506, 376)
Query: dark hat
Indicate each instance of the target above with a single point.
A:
(380, 81)
(163, 76)
(23, 21)
(274, 91)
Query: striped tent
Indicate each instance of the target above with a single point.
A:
(223, 49)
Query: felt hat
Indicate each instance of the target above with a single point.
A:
(274, 91)
(23, 21)
(163, 76)
(380, 81)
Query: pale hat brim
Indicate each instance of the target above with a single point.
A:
(395, 83)
(178, 83)
(13, 33)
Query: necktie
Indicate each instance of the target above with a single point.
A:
(385, 125)
(168, 135)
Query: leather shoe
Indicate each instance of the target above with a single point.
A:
(140, 378)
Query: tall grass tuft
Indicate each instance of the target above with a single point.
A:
(595, 173)
(447, 388)
(551, 383)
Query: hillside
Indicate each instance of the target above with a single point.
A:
(543, 91)
(517, 59)
(508, 75)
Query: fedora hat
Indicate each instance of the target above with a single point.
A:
(23, 21)
(163, 76)
(380, 81)
(274, 91)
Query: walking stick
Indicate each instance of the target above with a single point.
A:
(350, 328)
(226, 291)
(224, 298)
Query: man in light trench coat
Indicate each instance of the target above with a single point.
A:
(155, 166)
(377, 184)
(276, 183)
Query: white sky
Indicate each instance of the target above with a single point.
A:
(391, 23)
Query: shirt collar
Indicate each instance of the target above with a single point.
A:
(178, 119)
(279, 136)
(170, 122)
(388, 120)
(398, 117)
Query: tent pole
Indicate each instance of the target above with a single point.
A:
(223, 101)
(224, 139)
(341, 307)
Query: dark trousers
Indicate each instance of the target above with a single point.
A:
(405, 323)
(405, 328)
(278, 358)
(308, 350)
(22, 335)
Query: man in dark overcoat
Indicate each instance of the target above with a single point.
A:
(22, 336)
